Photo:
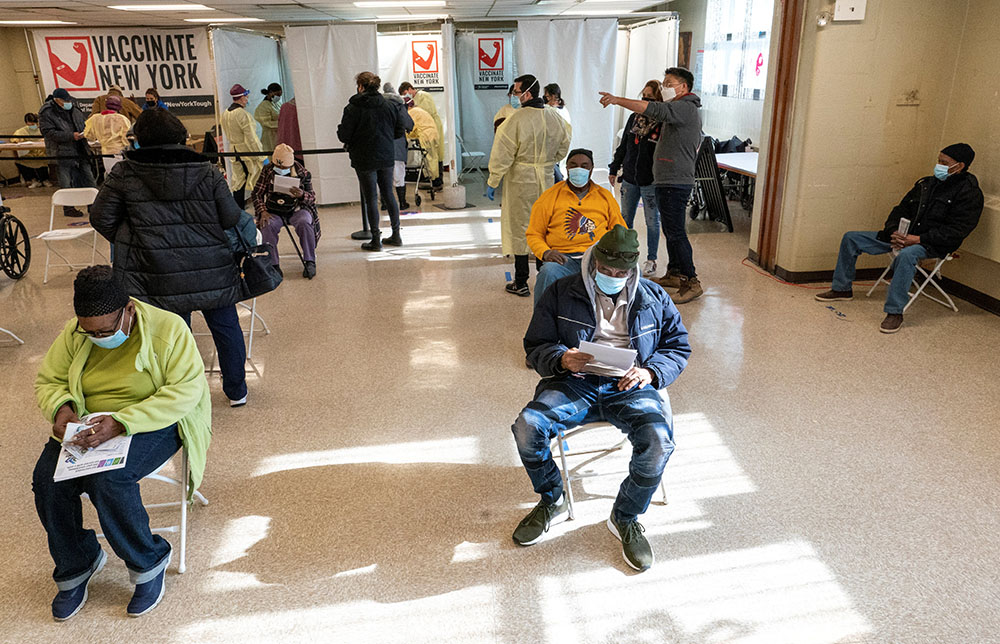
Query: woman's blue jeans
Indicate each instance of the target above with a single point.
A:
(630, 202)
(115, 494)
(565, 403)
(227, 334)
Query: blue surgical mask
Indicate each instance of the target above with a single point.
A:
(33, 127)
(67, 105)
(609, 285)
(282, 171)
(112, 341)
(578, 176)
(941, 171)
(515, 102)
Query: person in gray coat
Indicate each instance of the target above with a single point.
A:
(399, 169)
(61, 123)
(673, 171)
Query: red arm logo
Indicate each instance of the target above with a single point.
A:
(490, 61)
(424, 63)
(74, 76)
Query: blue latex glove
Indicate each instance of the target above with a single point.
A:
(491, 193)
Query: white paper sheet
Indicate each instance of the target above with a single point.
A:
(623, 359)
(75, 461)
(285, 184)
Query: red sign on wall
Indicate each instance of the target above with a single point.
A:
(72, 62)
(425, 56)
(491, 54)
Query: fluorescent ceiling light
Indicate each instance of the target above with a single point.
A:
(414, 16)
(35, 22)
(221, 20)
(610, 12)
(384, 4)
(161, 7)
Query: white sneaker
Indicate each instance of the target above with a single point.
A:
(649, 267)
(238, 403)
(47, 184)
(34, 184)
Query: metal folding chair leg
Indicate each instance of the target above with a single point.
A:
(11, 334)
(291, 235)
(921, 285)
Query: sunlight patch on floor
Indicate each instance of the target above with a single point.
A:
(460, 451)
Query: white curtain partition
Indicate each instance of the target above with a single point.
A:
(324, 61)
(395, 57)
(580, 56)
(648, 50)
(252, 60)
(482, 84)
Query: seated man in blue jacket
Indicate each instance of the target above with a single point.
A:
(606, 303)
(943, 210)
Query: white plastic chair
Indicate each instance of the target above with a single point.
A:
(570, 474)
(183, 503)
(75, 197)
(928, 278)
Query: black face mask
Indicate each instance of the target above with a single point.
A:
(646, 98)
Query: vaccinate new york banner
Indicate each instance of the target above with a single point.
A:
(85, 62)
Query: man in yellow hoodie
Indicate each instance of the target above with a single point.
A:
(141, 366)
(568, 219)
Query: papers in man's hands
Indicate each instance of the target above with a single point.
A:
(904, 226)
(76, 461)
(285, 184)
(622, 359)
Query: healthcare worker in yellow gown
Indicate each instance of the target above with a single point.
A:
(425, 102)
(267, 115)
(424, 131)
(241, 130)
(526, 147)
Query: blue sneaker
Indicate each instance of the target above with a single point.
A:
(148, 595)
(69, 602)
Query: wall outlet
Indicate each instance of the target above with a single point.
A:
(849, 10)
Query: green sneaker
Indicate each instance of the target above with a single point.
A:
(543, 516)
(635, 549)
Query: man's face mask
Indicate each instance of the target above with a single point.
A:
(579, 177)
(941, 171)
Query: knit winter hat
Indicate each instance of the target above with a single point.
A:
(283, 155)
(618, 248)
(97, 293)
(961, 152)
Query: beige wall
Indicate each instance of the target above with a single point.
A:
(854, 149)
(19, 94)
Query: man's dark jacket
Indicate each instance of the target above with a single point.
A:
(166, 210)
(942, 213)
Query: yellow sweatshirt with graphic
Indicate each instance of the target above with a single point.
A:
(564, 222)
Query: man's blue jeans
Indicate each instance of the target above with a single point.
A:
(672, 202)
(75, 173)
(115, 494)
(551, 271)
(227, 334)
(566, 403)
(630, 202)
(904, 266)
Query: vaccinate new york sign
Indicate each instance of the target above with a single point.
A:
(87, 62)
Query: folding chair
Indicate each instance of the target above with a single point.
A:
(68, 197)
(570, 474)
(11, 334)
(183, 503)
(471, 160)
(249, 334)
(295, 243)
(928, 279)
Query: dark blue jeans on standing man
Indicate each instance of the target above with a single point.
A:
(227, 333)
(373, 181)
(640, 413)
(672, 202)
(115, 494)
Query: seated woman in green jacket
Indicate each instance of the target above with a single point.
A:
(140, 364)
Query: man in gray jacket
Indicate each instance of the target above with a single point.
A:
(61, 123)
(399, 169)
(673, 171)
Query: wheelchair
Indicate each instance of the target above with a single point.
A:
(15, 246)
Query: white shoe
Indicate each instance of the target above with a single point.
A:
(34, 184)
(238, 403)
(47, 184)
(649, 267)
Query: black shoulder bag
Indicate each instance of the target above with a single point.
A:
(257, 275)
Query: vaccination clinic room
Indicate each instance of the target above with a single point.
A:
(499, 321)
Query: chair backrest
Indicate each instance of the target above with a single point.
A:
(74, 197)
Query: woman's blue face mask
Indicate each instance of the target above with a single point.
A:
(113, 341)
(282, 171)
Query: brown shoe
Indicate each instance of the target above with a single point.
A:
(835, 296)
(690, 289)
(891, 323)
(670, 280)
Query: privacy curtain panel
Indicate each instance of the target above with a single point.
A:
(580, 56)
(485, 70)
(324, 61)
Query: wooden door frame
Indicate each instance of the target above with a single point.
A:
(778, 143)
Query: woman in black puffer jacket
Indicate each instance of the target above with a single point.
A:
(166, 208)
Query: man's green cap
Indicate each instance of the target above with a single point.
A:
(617, 242)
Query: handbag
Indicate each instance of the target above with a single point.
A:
(257, 275)
(280, 204)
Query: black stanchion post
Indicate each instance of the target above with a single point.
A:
(365, 232)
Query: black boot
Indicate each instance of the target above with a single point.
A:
(401, 197)
(394, 240)
(375, 243)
